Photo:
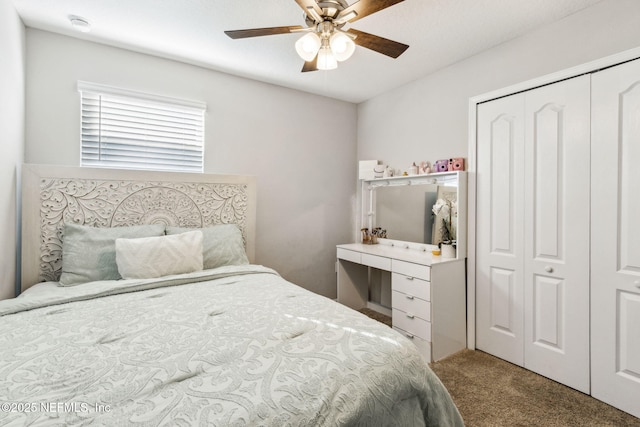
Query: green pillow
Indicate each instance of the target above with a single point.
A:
(89, 253)
(222, 245)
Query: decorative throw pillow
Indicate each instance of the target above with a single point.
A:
(222, 245)
(150, 257)
(89, 253)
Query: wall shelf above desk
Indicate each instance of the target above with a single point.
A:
(439, 178)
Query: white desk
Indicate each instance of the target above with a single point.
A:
(428, 298)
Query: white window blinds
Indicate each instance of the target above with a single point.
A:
(124, 129)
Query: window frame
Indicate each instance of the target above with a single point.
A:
(158, 152)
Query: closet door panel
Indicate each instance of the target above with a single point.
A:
(499, 327)
(548, 312)
(547, 140)
(556, 270)
(629, 177)
(629, 320)
(615, 232)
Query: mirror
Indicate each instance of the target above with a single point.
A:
(407, 212)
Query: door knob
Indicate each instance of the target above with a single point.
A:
(548, 269)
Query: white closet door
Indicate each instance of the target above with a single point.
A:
(499, 251)
(556, 250)
(615, 231)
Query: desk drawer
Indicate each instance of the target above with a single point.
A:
(411, 305)
(413, 325)
(348, 255)
(424, 346)
(376, 261)
(411, 286)
(412, 270)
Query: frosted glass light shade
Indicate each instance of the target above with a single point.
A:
(342, 46)
(326, 60)
(307, 46)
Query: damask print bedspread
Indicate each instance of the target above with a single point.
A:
(240, 346)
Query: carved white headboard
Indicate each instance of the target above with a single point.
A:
(54, 195)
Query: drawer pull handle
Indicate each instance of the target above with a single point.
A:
(548, 269)
(637, 283)
(409, 278)
(409, 335)
(410, 316)
(409, 296)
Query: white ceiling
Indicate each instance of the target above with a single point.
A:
(439, 32)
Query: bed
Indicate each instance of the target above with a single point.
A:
(233, 344)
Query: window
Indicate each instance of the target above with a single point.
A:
(124, 129)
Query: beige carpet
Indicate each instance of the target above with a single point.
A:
(491, 392)
(376, 316)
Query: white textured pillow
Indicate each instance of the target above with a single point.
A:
(222, 245)
(151, 257)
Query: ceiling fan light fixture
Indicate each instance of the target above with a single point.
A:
(330, 11)
(342, 46)
(326, 59)
(348, 17)
(308, 45)
(325, 42)
(314, 14)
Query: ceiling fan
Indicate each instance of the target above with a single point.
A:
(326, 42)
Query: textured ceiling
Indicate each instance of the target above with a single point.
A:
(439, 32)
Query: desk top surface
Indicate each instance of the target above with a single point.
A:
(399, 253)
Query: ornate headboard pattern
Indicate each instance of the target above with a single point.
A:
(53, 196)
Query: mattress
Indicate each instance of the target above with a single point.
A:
(231, 346)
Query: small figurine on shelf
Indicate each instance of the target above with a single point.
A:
(413, 169)
(425, 168)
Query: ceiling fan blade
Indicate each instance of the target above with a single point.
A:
(307, 6)
(310, 65)
(258, 32)
(378, 44)
(364, 8)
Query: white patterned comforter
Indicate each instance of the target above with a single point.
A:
(239, 347)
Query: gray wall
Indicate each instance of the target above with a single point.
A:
(306, 180)
(428, 119)
(12, 122)
(306, 177)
